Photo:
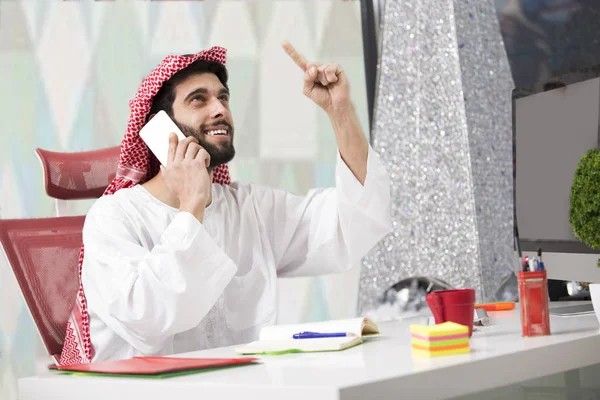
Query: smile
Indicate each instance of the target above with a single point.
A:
(217, 132)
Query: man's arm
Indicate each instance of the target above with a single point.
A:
(328, 230)
(351, 141)
(145, 296)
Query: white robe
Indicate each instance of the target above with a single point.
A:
(157, 281)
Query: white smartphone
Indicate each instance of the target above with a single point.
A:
(156, 135)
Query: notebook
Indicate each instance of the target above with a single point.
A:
(152, 367)
(279, 339)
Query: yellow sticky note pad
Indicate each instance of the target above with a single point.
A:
(440, 340)
(444, 329)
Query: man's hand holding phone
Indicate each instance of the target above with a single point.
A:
(187, 175)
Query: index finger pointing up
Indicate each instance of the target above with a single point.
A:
(294, 55)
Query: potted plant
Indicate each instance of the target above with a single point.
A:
(584, 210)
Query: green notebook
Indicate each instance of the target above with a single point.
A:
(152, 367)
(147, 376)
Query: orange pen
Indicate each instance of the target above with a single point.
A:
(499, 306)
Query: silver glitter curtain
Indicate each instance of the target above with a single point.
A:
(442, 125)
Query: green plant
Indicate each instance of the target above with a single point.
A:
(584, 210)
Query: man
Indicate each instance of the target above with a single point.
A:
(178, 260)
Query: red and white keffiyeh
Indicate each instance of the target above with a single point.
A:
(135, 166)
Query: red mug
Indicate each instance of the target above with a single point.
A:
(456, 305)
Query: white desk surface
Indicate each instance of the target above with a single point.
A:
(382, 368)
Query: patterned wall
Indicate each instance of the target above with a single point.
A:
(69, 68)
(442, 127)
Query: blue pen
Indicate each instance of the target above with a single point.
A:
(316, 335)
(540, 265)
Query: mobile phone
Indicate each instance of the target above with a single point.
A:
(156, 135)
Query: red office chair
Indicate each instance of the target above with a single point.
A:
(77, 175)
(44, 255)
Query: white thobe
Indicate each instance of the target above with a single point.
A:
(157, 281)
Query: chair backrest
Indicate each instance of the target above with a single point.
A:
(78, 175)
(44, 255)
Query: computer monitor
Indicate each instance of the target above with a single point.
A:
(554, 124)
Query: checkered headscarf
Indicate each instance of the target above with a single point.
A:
(135, 166)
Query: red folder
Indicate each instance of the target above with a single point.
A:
(158, 367)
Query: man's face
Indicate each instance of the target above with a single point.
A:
(201, 110)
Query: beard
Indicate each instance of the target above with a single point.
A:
(220, 153)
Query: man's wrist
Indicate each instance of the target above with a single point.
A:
(197, 210)
(341, 112)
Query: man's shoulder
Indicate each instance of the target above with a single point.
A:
(114, 205)
(246, 190)
(238, 187)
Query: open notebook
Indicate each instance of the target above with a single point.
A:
(279, 339)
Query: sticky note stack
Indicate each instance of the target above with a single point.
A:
(439, 340)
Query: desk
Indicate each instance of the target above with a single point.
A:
(382, 368)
